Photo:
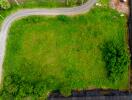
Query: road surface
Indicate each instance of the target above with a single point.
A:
(42, 11)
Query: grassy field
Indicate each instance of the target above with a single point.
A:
(62, 52)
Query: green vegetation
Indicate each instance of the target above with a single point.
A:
(52, 3)
(40, 4)
(74, 2)
(63, 53)
(104, 2)
(36, 4)
(116, 57)
(4, 4)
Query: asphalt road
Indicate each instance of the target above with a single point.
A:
(43, 11)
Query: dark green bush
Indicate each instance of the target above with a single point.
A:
(116, 59)
(63, 18)
(32, 19)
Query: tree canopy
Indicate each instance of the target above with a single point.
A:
(116, 59)
(4, 4)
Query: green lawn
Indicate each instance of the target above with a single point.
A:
(62, 53)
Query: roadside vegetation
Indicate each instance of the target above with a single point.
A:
(4, 4)
(7, 8)
(65, 53)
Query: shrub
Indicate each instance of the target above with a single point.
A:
(40, 88)
(32, 19)
(65, 90)
(74, 2)
(15, 87)
(4, 4)
(63, 18)
(116, 59)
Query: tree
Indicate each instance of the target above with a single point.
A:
(4, 4)
(116, 58)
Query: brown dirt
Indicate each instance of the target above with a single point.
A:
(120, 6)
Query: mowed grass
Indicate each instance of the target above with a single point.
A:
(64, 50)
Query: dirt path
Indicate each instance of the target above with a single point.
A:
(120, 6)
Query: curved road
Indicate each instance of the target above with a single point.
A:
(56, 11)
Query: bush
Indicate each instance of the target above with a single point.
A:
(65, 90)
(74, 2)
(32, 19)
(15, 87)
(4, 4)
(40, 88)
(63, 18)
(116, 59)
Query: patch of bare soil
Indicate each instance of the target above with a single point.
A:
(120, 5)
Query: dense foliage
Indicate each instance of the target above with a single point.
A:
(116, 58)
(18, 88)
(4, 4)
(74, 2)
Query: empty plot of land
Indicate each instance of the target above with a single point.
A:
(62, 52)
